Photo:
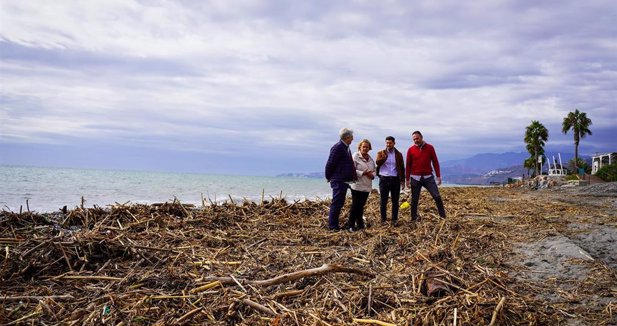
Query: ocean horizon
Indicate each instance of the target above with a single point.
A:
(48, 189)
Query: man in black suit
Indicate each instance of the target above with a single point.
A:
(340, 172)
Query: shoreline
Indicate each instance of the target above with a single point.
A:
(29, 204)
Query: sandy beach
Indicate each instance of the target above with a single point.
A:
(504, 256)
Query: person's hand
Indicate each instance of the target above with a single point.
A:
(408, 184)
(438, 181)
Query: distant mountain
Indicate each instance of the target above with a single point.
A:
(496, 176)
(480, 169)
(482, 163)
(488, 168)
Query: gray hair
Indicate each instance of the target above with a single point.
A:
(345, 132)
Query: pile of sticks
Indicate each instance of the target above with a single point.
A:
(274, 263)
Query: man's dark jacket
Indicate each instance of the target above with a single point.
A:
(340, 165)
(398, 158)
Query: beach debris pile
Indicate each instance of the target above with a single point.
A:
(275, 263)
(545, 182)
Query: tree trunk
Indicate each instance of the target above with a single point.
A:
(535, 164)
(576, 157)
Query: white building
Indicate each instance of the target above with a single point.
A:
(600, 160)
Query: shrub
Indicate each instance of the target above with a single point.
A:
(608, 173)
(585, 164)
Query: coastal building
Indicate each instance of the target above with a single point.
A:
(600, 160)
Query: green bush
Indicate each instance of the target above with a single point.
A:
(608, 173)
(581, 164)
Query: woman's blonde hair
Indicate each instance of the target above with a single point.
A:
(365, 141)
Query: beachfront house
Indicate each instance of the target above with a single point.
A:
(600, 160)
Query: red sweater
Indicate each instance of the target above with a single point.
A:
(419, 161)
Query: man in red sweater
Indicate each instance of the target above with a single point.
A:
(419, 173)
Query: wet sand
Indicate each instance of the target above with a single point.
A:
(572, 259)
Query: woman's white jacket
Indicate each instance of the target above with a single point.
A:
(364, 183)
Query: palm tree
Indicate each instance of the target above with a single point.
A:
(530, 164)
(579, 123)
(536, 136)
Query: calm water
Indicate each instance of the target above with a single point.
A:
(48, 189)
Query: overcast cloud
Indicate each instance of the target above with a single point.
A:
(262, 87)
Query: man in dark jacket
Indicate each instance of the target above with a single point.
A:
(391, 171)
(340, 172)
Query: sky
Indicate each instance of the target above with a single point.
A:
(257, 87)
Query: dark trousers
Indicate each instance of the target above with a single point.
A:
(339, 191)
(358, 200)
(430, 185)
(389, 186)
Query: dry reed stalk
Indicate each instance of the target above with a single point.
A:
(206, 287)
(372, 321)
(165, 263)
(188, 315)
(497, 310)
(83, 277)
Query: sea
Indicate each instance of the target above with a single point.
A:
(48, 189)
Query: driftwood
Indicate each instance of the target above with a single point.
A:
(188, 315)
(258, 307)
(497, 309)
(290, 277)
(274, 262)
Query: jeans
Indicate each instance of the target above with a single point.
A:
(389, 186)
(339, 191)
(358, 200)
(430, 185)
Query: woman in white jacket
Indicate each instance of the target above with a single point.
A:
(360, 190)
